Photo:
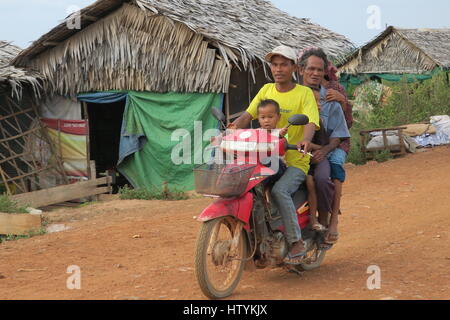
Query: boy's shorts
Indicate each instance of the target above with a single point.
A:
(337, 159)
(337, 172)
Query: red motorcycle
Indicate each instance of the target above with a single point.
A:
(242, 227)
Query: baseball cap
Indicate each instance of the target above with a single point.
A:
(283, 51)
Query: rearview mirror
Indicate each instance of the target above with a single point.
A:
(298, 120)
(218, 114)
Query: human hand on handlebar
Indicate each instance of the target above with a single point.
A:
(216, 140)
(304, 147)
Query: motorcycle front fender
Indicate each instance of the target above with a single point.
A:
(240, 208)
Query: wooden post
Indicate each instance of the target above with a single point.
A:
(400, 140)
(385, 142)
(363, 144)
(92, 176)
(88, 145)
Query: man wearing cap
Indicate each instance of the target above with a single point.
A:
(293, 99)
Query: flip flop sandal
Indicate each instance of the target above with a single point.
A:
(325, 246)
(318, 227)
(295, 259)
(335, 235)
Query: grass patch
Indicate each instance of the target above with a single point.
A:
(9, 206)
(355, 155)
(29, 234)
(127, 193)
(382, 156)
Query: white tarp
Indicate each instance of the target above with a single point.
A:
(59, 107)
(392, 139)
(378, 141)
(442, 135)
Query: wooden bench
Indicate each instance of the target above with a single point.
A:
(395, 149)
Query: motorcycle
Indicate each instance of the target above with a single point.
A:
(242, 227)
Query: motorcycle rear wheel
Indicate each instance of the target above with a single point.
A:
(218, 267)
(313, 259)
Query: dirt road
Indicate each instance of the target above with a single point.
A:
(396, 215)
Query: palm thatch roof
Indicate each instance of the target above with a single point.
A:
(12, 78)
(401, 51)
(169, 45)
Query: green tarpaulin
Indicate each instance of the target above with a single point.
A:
(349, 79)
(162, 118)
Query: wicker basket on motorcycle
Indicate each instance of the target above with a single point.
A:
(224, 180)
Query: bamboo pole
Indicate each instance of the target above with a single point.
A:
(13, 163)
(8, 191)
(20, 126)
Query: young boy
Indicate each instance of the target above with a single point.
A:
(269, 114)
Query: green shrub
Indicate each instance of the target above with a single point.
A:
(127, 193)
(412, 103)
(409, 103)
(9, 206)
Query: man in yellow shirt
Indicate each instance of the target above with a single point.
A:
(293, 99)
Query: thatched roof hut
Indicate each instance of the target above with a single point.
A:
(12, 78)
(401, 51)
(169, 45)
(169, 62)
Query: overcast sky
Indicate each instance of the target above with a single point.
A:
(23, 21)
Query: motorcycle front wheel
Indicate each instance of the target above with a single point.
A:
(221, 248)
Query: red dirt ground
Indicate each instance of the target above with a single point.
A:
(395, 216)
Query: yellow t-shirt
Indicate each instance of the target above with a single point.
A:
(299, 100)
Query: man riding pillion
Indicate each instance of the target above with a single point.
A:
(293, 99)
